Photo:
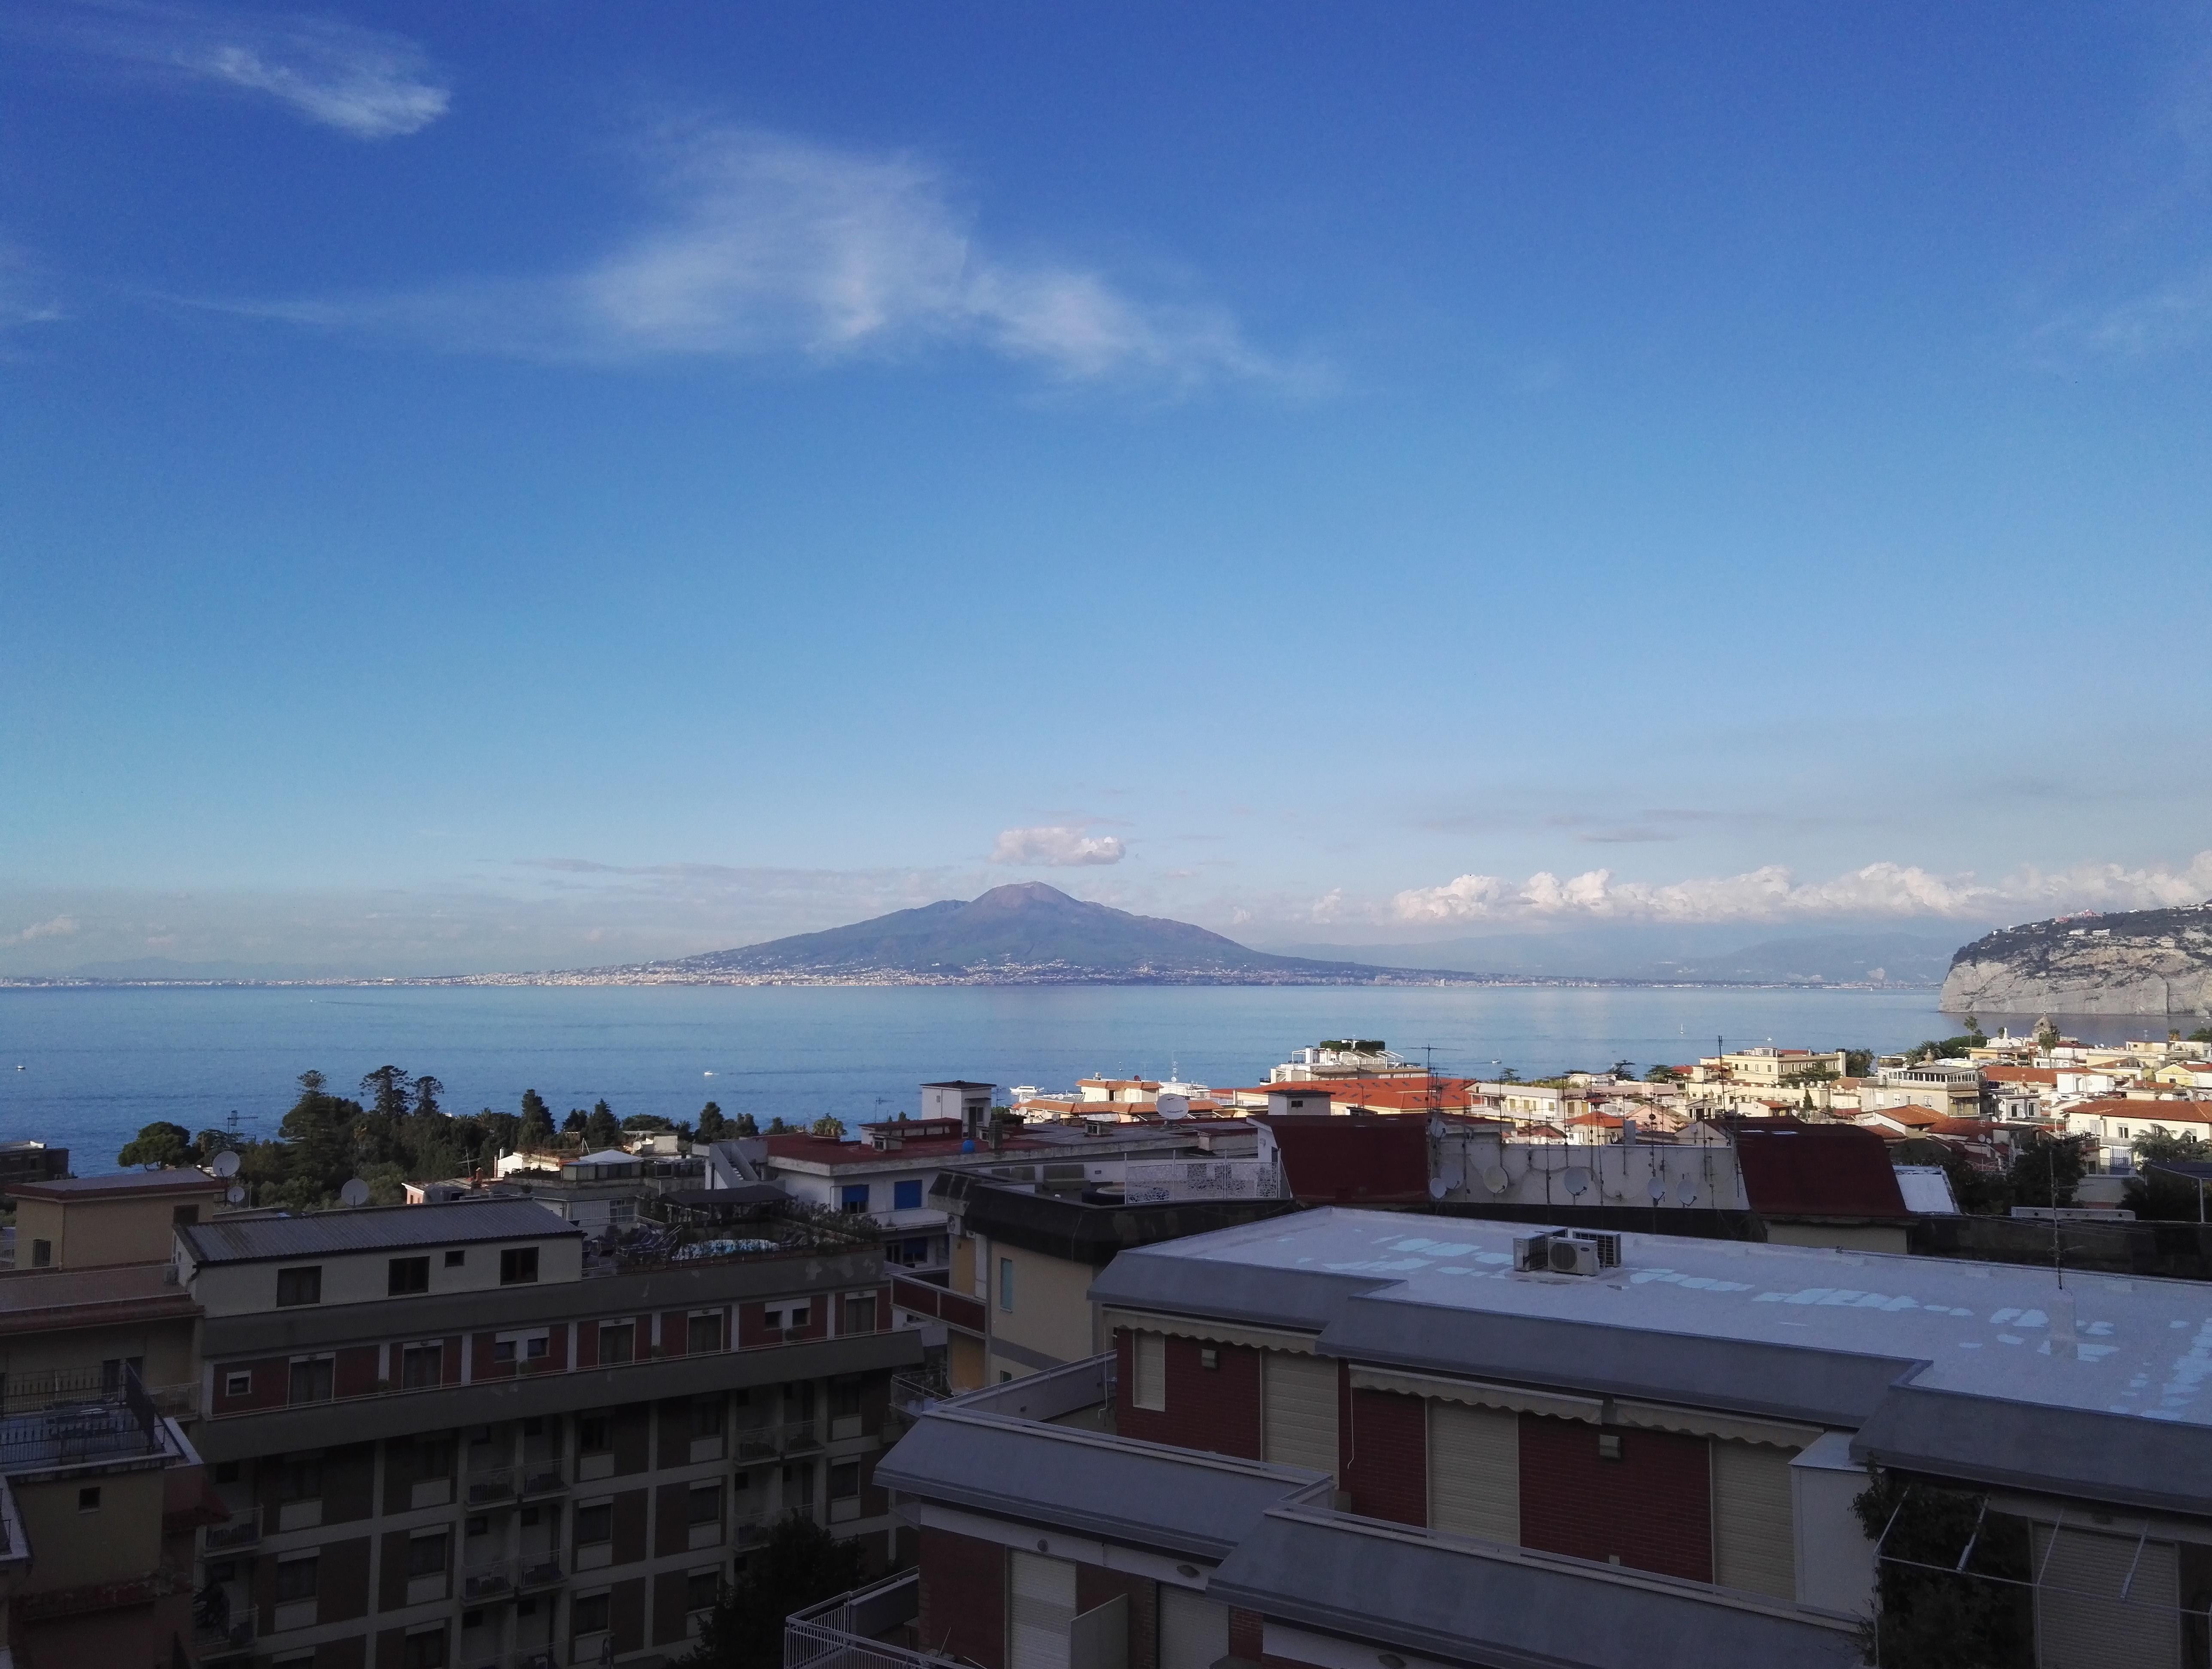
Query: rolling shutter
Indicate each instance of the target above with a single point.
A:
(1300, 1393)
(1148, 1351)
(1041, 1612)
(1754, 1528)
(1194, 1630)
(2081, 1622)
(1474, 1472)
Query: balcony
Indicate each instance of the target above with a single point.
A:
(846, 1633)
(537, 1570)
(241, 1529)
(542, 1477)
(484, 1488)
(482, 1583)
(765, 1442)
(213, 1639)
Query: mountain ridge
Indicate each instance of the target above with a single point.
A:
(2134, 962)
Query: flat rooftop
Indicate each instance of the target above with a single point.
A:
(250, 1239)
(122, 1185)
(2143, 1347)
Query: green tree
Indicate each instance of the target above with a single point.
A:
(801, 1564)
(744, 1125)
(602, 1129)
(535, 1130)
(386, 1092)
(161, 1144)
(426, 1091)
(827, 1125)
(319, 1136)
(1936, 1604)
(1662, 1075)
(777, 1128)
(713, 1126)
(645, 1121)
(1858, 1063)
(2046, 1171)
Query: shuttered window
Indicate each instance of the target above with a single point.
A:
(1300, 1393)
(1754, 1528)
(1041, 1607)
(1194, 1630)
(1474, 1472)
(1148, 1353)
(2081, 1620)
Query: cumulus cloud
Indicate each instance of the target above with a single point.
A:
(364, 82)
(768, 245)
(60, 926)
(1055, 848)
(1774, 894)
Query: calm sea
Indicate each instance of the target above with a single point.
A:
(96, 1064)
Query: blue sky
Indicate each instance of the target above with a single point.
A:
(530, 484)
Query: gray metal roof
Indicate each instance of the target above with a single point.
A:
(1146, 1495)
(1504, 1608)
(372, 1228)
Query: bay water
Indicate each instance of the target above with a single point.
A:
(85, 1067)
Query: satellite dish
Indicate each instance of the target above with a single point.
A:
(355, 1192)
(235, 1194)
(1658, 1189)
(1687, 1193)
(1495, 1179)
(1437, 1187)
(1175, 1107)
(225, 1163)
(1575, 1180)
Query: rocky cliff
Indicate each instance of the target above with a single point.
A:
(2142, 961)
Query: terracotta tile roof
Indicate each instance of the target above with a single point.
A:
(1818, 1171)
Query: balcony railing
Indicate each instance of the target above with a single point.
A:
(480, 1583)
(241, 1529)
(537, 1570)
(844, 1633)
(543, 1477)
(764, 1442)
(233, 1635)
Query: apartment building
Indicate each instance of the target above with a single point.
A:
(453, 1435)
(1770, 1069)
(1346, 1438)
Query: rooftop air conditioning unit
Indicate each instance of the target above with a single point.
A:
(1568, 1252)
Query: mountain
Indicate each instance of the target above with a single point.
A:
(1669, 955)
(1024, 933)
(2137, 961)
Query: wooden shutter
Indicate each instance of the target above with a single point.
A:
(1754, 1528)
(1300, 1393)
(1474, 1472)
(2081, 1620)
(1148, 1353)
(1194, 1630)
(1041, 1608)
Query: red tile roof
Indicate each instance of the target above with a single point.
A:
(1818, 1171)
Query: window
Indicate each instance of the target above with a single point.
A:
(844, 1398)
(88, 1501)
(434, 1458)
(225, 1471)
(707, 1418)
(518, 1347)
(407, 1275)
(42, 1254)
(518, 1263)
(618, 1341)
(1006, 1284)
(238, 1385)
(844, 1480)
(704, 1334)
(295, 1579)
(422, 1365)
(705, 1505)
(594, 1435)
(455, 1260)
(860, 1313)
(301, 1480)
(595, 1523)
(701, 1589)
(311, 1378)
(853, 1196)
(907, 1195)
(425, 1651)
(184, 1215)
(426, 1555)
(300, 1286)
(588, 1614)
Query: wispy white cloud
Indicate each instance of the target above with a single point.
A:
(1056, 848)
(1773, 894)
(25, 297)
(2177, 315)
(365, 83)
(60, 926)
(768, 245)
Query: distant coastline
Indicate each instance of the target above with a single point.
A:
(662, 974)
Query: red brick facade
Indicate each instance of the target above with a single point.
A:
(1216, 1408)
(1651, 1509)
(963, 1599)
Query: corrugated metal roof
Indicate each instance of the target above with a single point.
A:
(372, 1228)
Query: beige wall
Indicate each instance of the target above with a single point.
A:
(250, 1288)
(72, 1549)
(1843, 1237)
(167, 1347)
(85, 1233)
(1052, 1312)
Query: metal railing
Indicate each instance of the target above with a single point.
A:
(544, 1475)
(482, 1489)
(764, 1442)
(843, 1633)
(537, 1570)
(212, 1639)
(241, 1529)
(82, 1415)
(487, 1581)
